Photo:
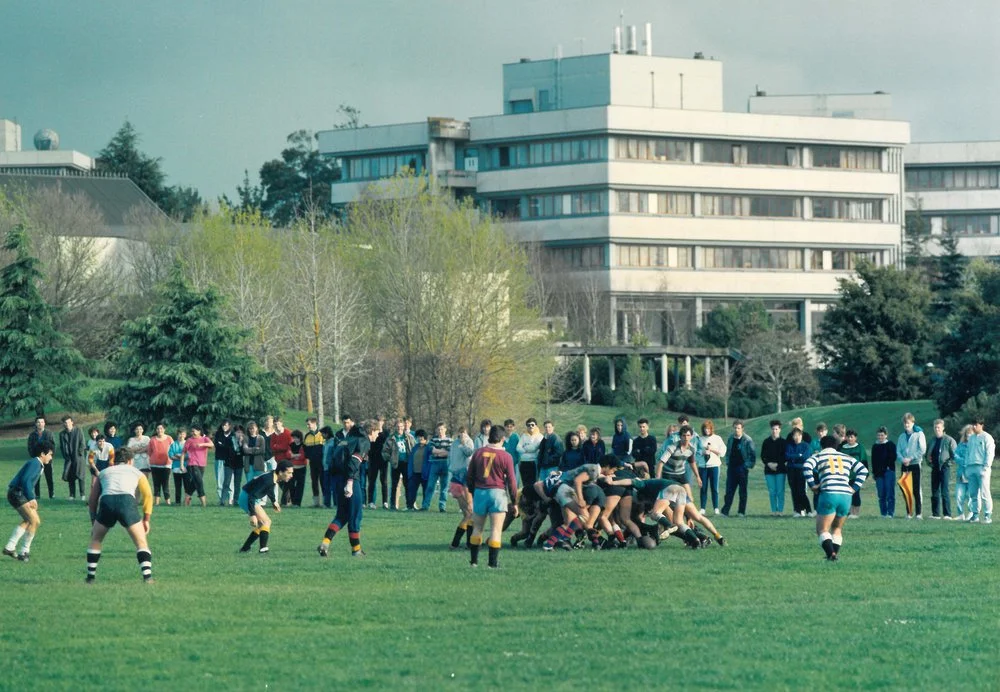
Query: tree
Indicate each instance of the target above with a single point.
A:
(917, 233)
(37, 363)
(299, 181)
(877, 338)
(967, 353)
(181, 364)
(777, 361)
(726, 326)
(238, 253)
(637, 384)
(449, 287)
(327, 321)
(122, 156)
(949, 279)
(250, 197)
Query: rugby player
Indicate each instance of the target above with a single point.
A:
(21, 496)
(112, 501)
(252, 497)
(493, 485)
(346, 470)
(836, 476)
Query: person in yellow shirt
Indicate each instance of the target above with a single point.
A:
(113, 501)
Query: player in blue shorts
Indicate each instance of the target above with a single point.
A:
(21, 496)
(836, 476)
(345, 467)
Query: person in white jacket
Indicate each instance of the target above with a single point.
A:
(711, 449)
(911, 447)
(527, 450)
(978, 467)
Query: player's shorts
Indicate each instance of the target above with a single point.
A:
(615, 490)
(244, 503)
(457, 487)
(674, 494)
(117, 509)
(565, 495)
(489, 501)
(833, 503)
(594, 495)
(16, 497)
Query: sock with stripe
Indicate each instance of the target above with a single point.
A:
(619, 536)
(475, 542)
(264, 535)
(564, 532)
(15, 537)
(459, 532)
(468, 535)
(145, 559)
(837, 542)
(355, 539)
(494, 553)
(331, 531)
(93, 556)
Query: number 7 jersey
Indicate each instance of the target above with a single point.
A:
(492, 467)
(834, 472)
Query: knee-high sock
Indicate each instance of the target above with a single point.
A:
(331, 531)
(826, 542)
(355, 539)
(15, 537)
(92, 558)
(475, 542)
(459, 532)
(145, 560)
(265, 533)
(494, 553)
(251, 539)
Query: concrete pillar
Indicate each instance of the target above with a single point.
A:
(625, 327)
(611, 373)
(708, 371)
(664, 374)
(586, 378)
(725, 368)
(687, 372)
(698, 317)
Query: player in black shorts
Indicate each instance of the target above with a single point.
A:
(112, 501)
(21, 496)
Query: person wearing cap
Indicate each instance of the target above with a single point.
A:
(252, 498)
(346, 467)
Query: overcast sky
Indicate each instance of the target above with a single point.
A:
(214, 87)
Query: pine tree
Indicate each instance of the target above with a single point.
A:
(950, 274)
(38, 364)
(182, 364)
(917, 235)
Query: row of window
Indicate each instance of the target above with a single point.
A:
(972, 224)
(966, 178)
(375, 167)
(682, 257)
(549, 152)
(679, 150)
(572, 204)
(682, 204)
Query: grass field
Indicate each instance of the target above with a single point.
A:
(911, 605)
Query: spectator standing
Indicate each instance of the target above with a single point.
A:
(978, 467)
(772, 454)
(911, 447)
(74, 450)
(36, 438)
(884, 471)
(742, 457)
(941, 457)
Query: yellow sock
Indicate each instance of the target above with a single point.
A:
(493, 544)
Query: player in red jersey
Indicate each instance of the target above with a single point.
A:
(493, 485)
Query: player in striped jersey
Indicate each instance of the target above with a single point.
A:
(836, 476)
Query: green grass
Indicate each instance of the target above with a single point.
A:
(911, 605)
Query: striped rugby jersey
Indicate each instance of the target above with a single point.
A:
(834, 472)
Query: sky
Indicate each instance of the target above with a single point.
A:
(215, 87)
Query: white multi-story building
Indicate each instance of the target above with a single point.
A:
(957, 185)
(625, 168)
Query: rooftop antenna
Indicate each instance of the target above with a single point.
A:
(581, 40)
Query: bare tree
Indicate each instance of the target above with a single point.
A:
(777, 360)
(328, 325)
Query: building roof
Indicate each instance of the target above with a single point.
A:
(116, 198)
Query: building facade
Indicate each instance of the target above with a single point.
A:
(956, 185)
(636, 184)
